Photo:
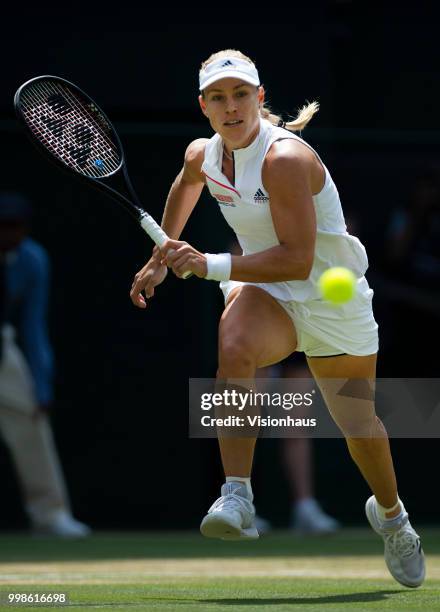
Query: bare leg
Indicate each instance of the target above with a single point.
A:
(371, 453)
(254, 332)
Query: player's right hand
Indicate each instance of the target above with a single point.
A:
(148, 277)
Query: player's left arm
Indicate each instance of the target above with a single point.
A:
(287, 176)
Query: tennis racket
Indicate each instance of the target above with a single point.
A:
(70, 129)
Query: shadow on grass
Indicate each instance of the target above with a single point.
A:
(327, 599)
(368, 597)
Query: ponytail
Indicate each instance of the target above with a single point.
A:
(302, 119)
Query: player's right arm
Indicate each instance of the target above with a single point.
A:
(182, 198)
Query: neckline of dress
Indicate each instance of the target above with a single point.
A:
(246, 152)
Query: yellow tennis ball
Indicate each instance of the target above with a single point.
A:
(337, 285)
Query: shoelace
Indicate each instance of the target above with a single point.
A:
(403, 543)
(230, 502)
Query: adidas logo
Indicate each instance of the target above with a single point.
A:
(260, 197)
(227, 63)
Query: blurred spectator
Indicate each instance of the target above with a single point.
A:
(26, 373)
(306, 514)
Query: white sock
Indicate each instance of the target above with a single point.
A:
(245, 481)
(381, 511)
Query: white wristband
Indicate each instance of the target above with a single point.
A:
(219, 266)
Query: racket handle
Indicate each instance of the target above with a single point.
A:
(157, 234)
(153, 229)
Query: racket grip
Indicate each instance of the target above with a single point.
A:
(157, 234)
(153, 229)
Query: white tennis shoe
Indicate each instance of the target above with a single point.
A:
(63, 525)
(403, 550)
(231, 516)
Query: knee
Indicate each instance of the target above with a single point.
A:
(364, 433)
(237, 355)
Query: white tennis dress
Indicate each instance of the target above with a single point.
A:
(322, 328)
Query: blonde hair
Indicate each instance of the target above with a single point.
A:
(304, 115)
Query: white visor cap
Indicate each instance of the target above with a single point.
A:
(232, 67)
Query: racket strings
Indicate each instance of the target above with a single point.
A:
(78, 150)
(73, 131)
(83, 131)
(81, 123)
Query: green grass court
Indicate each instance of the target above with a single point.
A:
(183, 572)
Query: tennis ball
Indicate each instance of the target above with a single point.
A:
(337, 285)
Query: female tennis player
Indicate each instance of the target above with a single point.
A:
(277, 195)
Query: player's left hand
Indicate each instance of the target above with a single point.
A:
(181, 257)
